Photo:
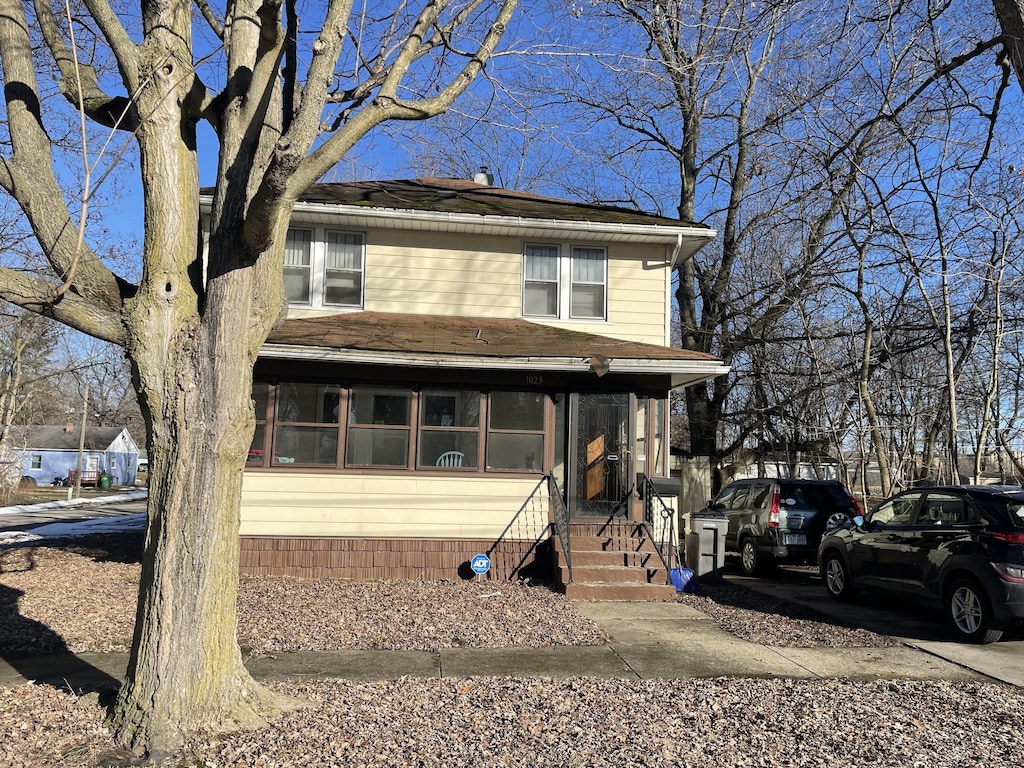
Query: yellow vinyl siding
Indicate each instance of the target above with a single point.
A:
(309, 504)
(477, 276)
(425, 273)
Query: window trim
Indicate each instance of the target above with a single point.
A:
(565, 283)
(318, 267)
(262, 455)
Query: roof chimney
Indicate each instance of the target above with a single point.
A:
(484, 176)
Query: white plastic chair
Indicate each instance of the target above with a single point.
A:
(450, 459)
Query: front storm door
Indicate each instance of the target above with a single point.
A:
(601, 455)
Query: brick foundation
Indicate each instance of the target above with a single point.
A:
(370, 559)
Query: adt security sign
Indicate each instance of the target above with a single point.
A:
(480, 564)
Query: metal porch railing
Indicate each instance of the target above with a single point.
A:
(519, 543)
(660, 523)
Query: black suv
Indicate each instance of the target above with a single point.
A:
(781, 520)
(958, 546)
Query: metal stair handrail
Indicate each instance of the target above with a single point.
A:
(560, 521)
(660, 523)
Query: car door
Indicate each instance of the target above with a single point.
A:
(731, 502)
(877, 554)
(943, 519)
(755, 517)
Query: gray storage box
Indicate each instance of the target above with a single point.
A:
(705, 545)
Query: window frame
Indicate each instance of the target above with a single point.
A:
(262, 450)
(568, 256)
(323, 425)
(318, 267)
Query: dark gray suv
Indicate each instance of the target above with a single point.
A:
(781, 520)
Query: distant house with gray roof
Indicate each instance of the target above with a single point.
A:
(50, 452)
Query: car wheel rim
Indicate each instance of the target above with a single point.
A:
(966, 610)
(749, 557)
(834, 577)
(838, 520)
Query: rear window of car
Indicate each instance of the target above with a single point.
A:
(1016, 510)
(815, 496)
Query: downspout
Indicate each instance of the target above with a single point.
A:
(675, 252)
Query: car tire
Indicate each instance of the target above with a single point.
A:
(750, 560)
(836, 576)
(970, 612)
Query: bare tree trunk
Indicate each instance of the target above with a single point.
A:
(192, 356)
(192, 554)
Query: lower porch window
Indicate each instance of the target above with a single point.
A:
(435, 429)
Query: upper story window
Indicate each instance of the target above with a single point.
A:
(567, 282)
(324, 268)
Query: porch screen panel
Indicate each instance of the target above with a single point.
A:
(298, 260)
(306, 429)
(379, 427)
(449, 429)
(258, 447)
(515, 434)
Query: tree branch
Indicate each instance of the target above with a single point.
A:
(37, 295)
(78, 81)
(30, 177)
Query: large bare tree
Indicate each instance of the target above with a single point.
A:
(285, 98)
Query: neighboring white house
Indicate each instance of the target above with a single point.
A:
(449, 348)
(51, 452)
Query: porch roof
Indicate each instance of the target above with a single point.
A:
(437, 341)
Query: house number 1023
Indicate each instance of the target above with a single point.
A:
(534, 380)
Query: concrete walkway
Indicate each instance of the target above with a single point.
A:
(646, 640)
(918, 626)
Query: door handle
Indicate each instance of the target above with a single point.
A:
(612, 457)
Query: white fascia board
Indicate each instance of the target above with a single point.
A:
(684, 371)
(455, 222)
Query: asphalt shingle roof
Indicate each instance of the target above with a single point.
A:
(52, 438)
(470, 336)
(468, 197)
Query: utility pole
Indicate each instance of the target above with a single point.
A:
(77, 490)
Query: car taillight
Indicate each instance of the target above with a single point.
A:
(1010, 538)
(1010, 572)
(773, 513)
(856, 506)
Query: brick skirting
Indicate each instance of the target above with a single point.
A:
(369, 559)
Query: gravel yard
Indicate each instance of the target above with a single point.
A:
(81, 596)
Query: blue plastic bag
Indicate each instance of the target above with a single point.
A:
(683, 579)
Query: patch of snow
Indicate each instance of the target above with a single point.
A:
(128, 496)
(118, 524)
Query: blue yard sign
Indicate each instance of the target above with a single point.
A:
(480, 564)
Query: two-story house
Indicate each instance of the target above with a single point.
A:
(459, 361)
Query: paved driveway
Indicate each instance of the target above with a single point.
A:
(915, 624)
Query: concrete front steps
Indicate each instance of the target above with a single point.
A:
(612, 560)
